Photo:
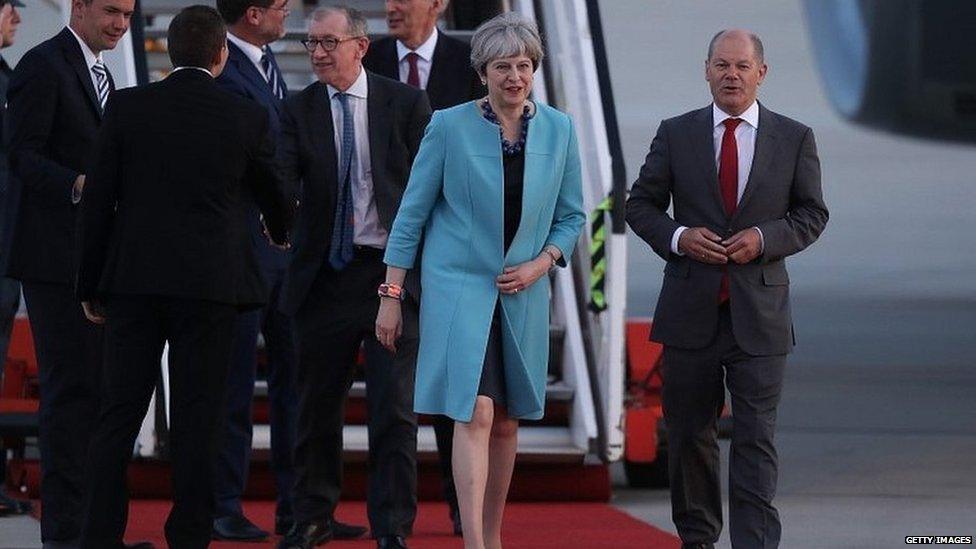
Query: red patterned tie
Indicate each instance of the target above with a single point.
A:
(728, 182)
(413, 76)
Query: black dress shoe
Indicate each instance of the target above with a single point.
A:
(456, 521)
(237, 528)
(283, 524)
(697, 546)
(341, 530)
(391, 542)
(306, 535)
(140, 545)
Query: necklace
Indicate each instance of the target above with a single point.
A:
(509, 149)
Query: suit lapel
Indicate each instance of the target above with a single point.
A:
(435, 80)
(389, 62)
(762, 155)
(322, 136)
(703, 144)
(75, 58)
(380, 113)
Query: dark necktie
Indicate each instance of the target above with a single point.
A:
(341, 250)
(413, 75)
(728, 182)
(273, 75)
(101, 79)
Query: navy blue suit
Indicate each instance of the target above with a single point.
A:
(9, 288)
(242, 77)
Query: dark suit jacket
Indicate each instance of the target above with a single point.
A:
(398, 115)
(8, 199)
(242, 78)
(164, 208)
(52, 118)
(452, 81)
(782, 198)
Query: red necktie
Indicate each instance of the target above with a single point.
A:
(728, 182)
(413, 76)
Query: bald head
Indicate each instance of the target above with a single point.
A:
(738, 35)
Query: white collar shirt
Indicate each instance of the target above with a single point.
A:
(252, 52)
(367, 231)
(425, 53)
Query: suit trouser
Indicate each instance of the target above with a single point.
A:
(444, 433)
(69, 359)
(694, 394)
(233, 460)
(199, 334)
(337, 316)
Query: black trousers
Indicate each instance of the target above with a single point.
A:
(69, 359)
(337, 317)
(694, 394)
(199, 335)
(233, 460)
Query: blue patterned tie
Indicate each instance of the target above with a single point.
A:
(272, 74)
(101, 77)
(340, 253)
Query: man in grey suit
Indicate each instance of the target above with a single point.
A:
(745, 183)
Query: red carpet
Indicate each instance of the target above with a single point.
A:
(527, 525)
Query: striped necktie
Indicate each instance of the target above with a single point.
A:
(101, 80)
(341, 250)
(272, 75)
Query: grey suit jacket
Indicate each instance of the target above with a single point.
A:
(782, 198)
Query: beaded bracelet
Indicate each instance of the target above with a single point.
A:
(393, 291)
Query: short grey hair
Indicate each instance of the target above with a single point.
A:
(356, 24)
(505, 35)
(757, 44)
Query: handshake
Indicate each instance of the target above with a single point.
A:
(703, 245)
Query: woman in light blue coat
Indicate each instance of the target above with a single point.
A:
(495, 194)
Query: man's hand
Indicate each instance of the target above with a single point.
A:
(517, 278)
(389, 323)
(743, 246)
(703, 245)
(271, 241)
(93, 312)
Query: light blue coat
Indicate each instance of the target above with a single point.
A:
(455, 198)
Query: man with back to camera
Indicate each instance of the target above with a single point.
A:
(349, 140)
(54, 108)
(9, 288)
(166, 256)
(252, 72)
(745, 183)
(418, 54)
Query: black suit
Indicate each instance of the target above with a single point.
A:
(52, 117)
(9, 288)
(335, 311)
(165, 246)
(741, 344)
(452, 81)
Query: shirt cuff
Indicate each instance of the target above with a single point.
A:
(675, 237)
(75, 196)
(762, 240)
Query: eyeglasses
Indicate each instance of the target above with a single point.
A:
(328, 44)
(283, 9)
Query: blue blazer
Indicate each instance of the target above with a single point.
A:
(455, 199)
(243, 79)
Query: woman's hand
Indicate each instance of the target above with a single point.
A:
(520, 277)
(389, 323)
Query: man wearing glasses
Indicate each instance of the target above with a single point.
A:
(253, 73)
(349, 140)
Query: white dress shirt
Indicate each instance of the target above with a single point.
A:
(745, 141)
(252, 52)
(367, 229)
(426, 56)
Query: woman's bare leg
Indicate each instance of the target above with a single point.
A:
(501, 461)
(471, 450)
